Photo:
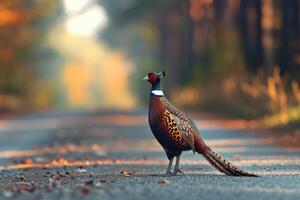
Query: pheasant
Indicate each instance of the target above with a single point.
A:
(176, 131)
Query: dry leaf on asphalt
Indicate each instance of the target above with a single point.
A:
(126, 173)
(163, 181)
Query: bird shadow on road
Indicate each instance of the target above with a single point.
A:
(163, 175)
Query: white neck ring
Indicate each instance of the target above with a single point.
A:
(157, 92)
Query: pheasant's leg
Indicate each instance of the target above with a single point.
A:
(169, 166)
(176, 169)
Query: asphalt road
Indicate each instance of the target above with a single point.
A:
(113, 155)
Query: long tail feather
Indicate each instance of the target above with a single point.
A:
(223, 165)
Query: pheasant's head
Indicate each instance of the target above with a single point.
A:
(154, 78)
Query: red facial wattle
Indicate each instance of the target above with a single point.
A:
(152, 78)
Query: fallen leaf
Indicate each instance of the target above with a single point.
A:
(21, 177)
(27, 161)
(163, 181)
(81, 170)
(49, 188)
(85, 190)
(24, 187)
(126, 173)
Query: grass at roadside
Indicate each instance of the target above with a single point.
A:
(273, 102)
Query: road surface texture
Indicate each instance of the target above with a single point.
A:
(113, 155)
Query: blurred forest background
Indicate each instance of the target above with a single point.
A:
(239, 58)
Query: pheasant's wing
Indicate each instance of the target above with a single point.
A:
(185, 128)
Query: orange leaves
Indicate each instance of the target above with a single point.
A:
(9, 17)
(58, 162)
(5, 54)
(197, 8)
(15, 13)
(60, 150)
(78, 79)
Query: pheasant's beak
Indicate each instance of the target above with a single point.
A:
(146, 78)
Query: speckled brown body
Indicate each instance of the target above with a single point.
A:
(172, 128)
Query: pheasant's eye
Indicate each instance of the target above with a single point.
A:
(152, 78)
